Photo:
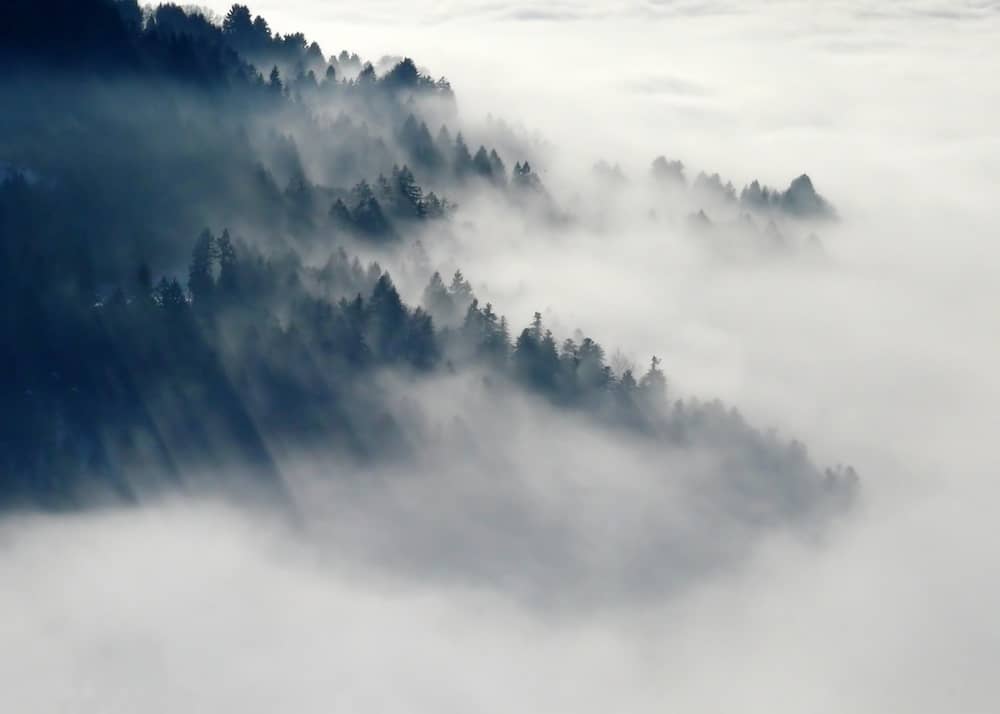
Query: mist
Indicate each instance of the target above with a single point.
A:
(502, 551)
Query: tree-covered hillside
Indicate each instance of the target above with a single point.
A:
(182, 204)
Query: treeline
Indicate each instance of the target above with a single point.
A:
(208, 138)
(800, 199)
(253, 357)
(129, 358)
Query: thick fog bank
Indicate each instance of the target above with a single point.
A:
(889, 332)
(201, 609)
(525, 558)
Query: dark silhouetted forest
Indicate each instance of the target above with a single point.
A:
(181, 207)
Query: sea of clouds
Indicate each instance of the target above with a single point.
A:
(884, 353)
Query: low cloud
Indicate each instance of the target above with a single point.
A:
(523, 558)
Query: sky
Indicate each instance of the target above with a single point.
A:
(883, 354)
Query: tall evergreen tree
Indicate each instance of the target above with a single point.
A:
(201, 276)
(481, 163)
(387, 319)
(462, 161)
(228, 282)
(238, 22)
(274, 80)
(654, 384)
(437, 300)
(497, 169)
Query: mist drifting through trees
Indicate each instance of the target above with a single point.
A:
(455, 396)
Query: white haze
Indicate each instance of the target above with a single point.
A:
(883, 355)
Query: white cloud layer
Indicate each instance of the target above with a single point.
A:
(885, 355)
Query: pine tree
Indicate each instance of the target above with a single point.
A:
(261, 32)
(228, 282)
(409, 192)
(384, 190)
(460, 290)
(665, 171)
(421, 344)
(201, 278)
(654, 384)
(434, 207)
(462, 161)
(536, 326)
(237, 22)
(524, 177)
(498, 170)
(367, 75)
(472, 326)
(437, 301)
(388, 319)
(444, 141)
(339, 213)
(501, 340)
(404, 74)
(536, 361)
(170, 296)
(481, 163)
(371, 220)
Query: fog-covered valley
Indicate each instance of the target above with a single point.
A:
(676, 395)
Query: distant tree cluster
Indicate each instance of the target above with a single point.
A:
(668, 171)
(525, 178)
(448, 304)
(711, 187)
(611, 175)
(371, 211)
(800, 199)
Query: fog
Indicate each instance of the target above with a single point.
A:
(896, 131)
(535, 561)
